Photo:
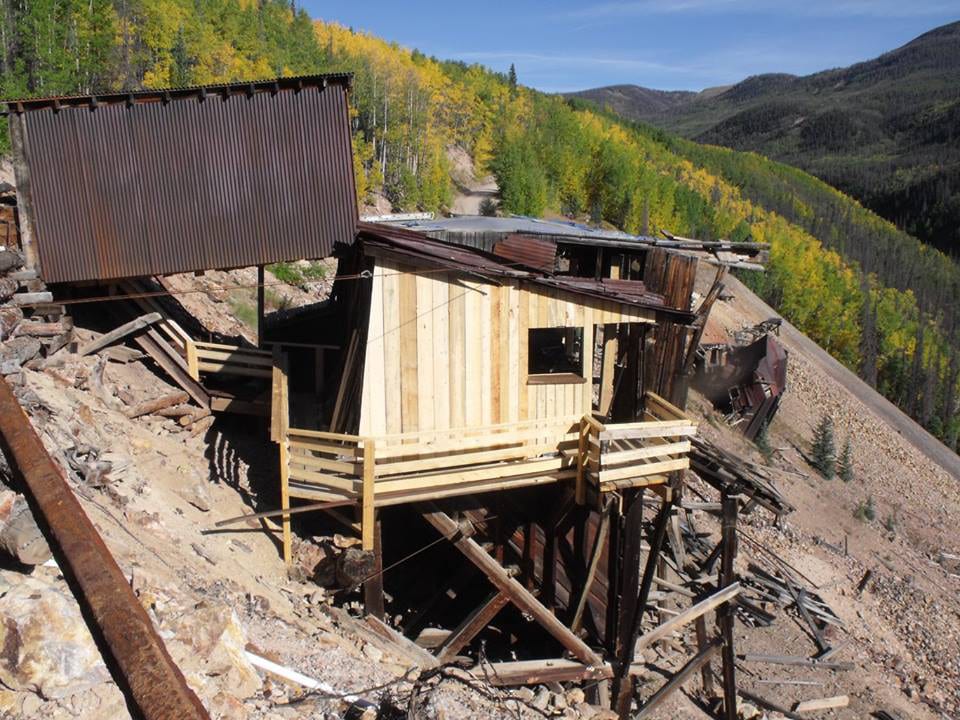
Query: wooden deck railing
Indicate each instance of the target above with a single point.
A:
(207, 357)
(392, 469)
(627, 455)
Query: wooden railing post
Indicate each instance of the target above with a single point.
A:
(193, 365)
(583, 449)
(285, 498)
(367, 518)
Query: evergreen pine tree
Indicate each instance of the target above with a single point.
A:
(512, 79)
(845, 463)
(824, 450)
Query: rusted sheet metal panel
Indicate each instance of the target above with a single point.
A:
(528, 251)
(417, 248)
(147, 673)
(222, 177)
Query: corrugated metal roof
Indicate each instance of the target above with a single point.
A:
(419, 248)
(533, 252)
(161, 182)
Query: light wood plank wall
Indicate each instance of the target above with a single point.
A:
(447, 351)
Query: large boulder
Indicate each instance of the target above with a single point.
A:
(46, 646)
(208, 644)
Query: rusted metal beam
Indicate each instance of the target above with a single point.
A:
(153, 684)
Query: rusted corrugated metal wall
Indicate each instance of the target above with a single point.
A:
(223, 177)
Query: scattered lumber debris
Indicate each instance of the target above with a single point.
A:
(724, 471)
(121, 332)
(151, 406)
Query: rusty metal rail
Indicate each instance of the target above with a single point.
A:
(138, 659)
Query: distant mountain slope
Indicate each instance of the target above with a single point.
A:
(633, 101)
(886, 131)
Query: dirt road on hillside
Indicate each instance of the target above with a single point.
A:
(887, 411)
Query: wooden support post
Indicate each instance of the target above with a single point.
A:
(473, 624)
(367, 499)
(630, 581)
(623, 689)
(705, 673)
(583, 448)
(698, 661)
(285, 499)
(261, 302)
(519, 595)
(373, 585)
(193, 363)
(595, 554)
(726, 614)
(614, 555)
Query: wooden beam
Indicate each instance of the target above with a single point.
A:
(261, 304)
(367, 498)
(536, 672)
(373, 585)
(679, 678)
(689, 615)
(595, 554)
(796, 660)
(172, 364)
(519, 595)
(152, 406)
(726, 615)
(706, 675)
(285, 500)
(624, 688)
(111, 337)
(472, 624)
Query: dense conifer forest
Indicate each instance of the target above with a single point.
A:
(873, 296)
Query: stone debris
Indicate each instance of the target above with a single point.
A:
(47, 646)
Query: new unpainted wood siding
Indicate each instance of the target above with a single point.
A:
(446, 352)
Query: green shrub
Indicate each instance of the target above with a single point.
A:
(866, 511)
(762, 441)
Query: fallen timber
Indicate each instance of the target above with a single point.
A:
(133, 650)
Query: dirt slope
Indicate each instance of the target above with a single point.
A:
(903, 632)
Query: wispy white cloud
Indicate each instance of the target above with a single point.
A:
(557, 61)
(810, 8)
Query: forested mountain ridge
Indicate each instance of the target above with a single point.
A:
(886, 131)
(871, 295)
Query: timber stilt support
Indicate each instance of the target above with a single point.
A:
(517, 593)
(726, 614)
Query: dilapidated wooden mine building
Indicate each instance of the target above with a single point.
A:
(520, 403)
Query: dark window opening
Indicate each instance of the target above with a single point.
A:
(556, 352)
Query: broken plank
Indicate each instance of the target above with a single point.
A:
(152, 406)
(688, 616)
(795, 660)
(678, 679)
(828, 703)
(111, 337)
(473, 624)
(535, 672)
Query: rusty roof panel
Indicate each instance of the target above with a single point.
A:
(420, 248)
(246, 175)
(529, 251)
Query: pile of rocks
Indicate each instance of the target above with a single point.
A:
(32, 327)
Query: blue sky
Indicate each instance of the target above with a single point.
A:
(681, 45)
